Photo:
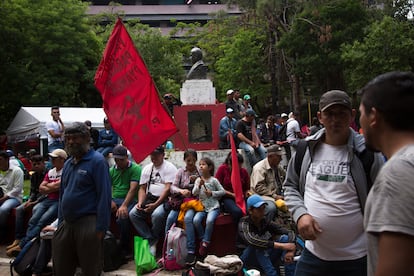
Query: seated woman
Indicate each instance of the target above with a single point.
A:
(183, 185)
(223, 175)
(107, 139)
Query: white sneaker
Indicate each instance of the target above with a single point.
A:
(153, 249)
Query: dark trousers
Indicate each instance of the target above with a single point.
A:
(76, 244)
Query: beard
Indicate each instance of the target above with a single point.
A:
(77, 150)
(369, 141)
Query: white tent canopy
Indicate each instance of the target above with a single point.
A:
(30, 121)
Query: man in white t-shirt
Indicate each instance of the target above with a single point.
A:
(155, 182)
(293, 131)
(55, 130)
(386, 118)
(327, 198)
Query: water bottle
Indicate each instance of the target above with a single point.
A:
(169, 145)
(170, 254)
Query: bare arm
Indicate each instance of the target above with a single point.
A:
(123, 209)
(395, 254)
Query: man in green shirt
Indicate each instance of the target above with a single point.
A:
(125, 176)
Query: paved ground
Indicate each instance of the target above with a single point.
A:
(125, 270)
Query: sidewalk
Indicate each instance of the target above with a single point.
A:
(125, 270)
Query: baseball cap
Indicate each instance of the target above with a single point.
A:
(229, 110)
(255, 201)
(246, 97)
(58, 153)
(334, 97)
(283, 115)
(230, 91)
(119, 152)
(10, 153)
(250, 112)
(275, 149)
(158, 150)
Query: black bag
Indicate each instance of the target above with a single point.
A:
(174, 202)
(25, 260)
(113, 257)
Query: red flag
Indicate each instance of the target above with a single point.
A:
(130, 98)
(235, 176)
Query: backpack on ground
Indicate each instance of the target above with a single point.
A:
(113, 257)
(25, 260)
(174, 250)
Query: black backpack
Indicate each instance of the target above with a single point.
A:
(282, 132)
(113, 257)
(25, 260)
(366, 157)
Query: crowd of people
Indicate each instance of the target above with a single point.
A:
(349, 196)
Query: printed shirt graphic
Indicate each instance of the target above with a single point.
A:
(331, 198)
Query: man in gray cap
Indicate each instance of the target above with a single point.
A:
(326, 194)
(267, 178)
(84, 206)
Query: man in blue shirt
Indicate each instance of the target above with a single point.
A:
(227, 123)
(84, 207)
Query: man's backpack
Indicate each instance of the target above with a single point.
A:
(366, 157)
(25, 260)
(113, 257)
(283, 132)
(174, 250)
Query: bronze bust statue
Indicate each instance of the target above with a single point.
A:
(198, 70)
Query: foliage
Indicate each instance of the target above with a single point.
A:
(50, 55)
(387, 46)
(316, 37)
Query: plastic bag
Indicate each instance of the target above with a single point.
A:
(144, 260)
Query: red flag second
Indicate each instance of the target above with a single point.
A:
(235, 176)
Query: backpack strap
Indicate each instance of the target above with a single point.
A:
(367, 159)
(300, 153)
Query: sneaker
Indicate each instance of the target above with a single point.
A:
(14, 251)
(203, 249)
(16, 242)
(190, 260)
(153, 249)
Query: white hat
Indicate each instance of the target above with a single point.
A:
(283, 115)
(230, 91)
(58, 153)
(229, 110)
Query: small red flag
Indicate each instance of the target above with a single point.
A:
(130, 98)
(235, 176)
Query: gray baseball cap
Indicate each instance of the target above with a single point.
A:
(334, 97)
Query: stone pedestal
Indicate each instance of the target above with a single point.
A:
(195, 92)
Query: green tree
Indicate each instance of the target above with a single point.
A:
(387, 46)
(49, 54)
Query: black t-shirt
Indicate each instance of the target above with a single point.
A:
(245, 128)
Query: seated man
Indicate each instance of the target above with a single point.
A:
(107, 139)
(39, 171)
(266, 179)
(155, 183)
(249, 141)
(11, 189)
(125, 177)
(227, 123)
(263, 250)
(46, 211)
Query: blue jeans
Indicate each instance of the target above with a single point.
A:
(55, 145)
(124, 225)
(5, 209)
(20, 220)
(199, 217)
(230, 206)
(310, 265)
(189, 230)
(45, 213)
(251, 152)
(266, 259)
(139, 220)
(171, 219)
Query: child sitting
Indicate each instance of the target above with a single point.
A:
(263, 252)
(209, 190)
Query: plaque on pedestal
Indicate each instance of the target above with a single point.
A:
(198, 92)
